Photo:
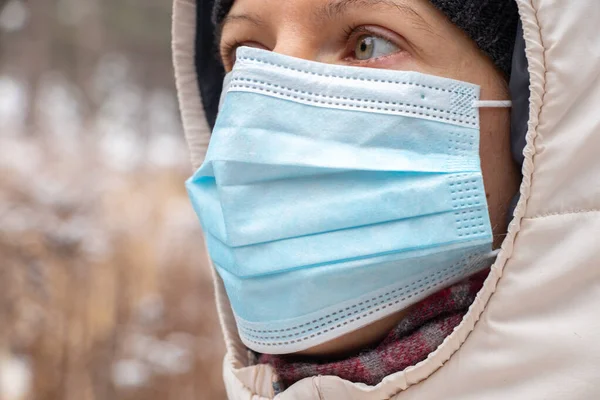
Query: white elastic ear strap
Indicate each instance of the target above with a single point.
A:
(492, 104)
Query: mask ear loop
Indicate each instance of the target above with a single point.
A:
(492, 104)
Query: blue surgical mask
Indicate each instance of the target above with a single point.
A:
(333, 196)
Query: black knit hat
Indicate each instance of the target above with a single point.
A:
(492, 24)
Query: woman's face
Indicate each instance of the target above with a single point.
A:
(406, 35)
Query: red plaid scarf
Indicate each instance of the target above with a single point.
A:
(418, 334)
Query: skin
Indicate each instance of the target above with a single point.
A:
(415, 37)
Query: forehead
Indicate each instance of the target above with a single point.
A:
(317, 10)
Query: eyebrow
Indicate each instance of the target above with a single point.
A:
(337, 8)
(253, 19)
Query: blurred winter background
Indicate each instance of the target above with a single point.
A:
(104, 292)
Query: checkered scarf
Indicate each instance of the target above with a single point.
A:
(418, 334)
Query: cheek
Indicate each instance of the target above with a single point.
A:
(494, 147)
(500, 174)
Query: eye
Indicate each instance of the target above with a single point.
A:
(228, 49)
(369, 47)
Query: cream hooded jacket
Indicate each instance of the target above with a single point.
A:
(534, 330)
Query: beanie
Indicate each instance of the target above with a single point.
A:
(492, 24)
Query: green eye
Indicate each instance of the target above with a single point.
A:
(370, 46)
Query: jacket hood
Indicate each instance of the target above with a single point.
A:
(532, 331)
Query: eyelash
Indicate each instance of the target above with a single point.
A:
(349, 30)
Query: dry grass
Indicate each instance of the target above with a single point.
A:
(104, 291)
